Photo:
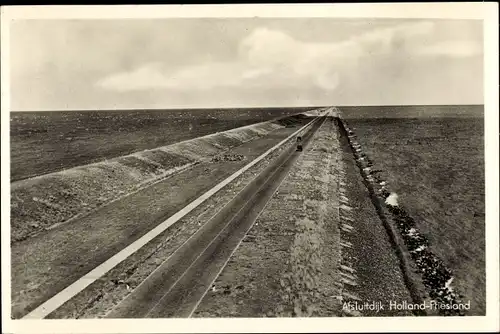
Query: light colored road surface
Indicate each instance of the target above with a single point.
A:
(179, 284)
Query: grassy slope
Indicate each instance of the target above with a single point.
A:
(50, 199)
(437, 168)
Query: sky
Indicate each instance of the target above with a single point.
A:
(243, 62)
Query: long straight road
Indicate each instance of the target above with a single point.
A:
(46, 265)
(176, 287)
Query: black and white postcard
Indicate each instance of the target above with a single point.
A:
(246, 168)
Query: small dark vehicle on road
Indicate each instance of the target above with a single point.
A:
(299, 144)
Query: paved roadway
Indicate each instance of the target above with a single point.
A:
(176, 287)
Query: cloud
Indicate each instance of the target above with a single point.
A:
(158, 76)
(269, 59)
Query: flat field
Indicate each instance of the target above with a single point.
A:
(436, 166)
(45, 142)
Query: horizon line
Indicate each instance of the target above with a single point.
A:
(254, 107)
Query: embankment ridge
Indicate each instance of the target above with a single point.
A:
(46, 201)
